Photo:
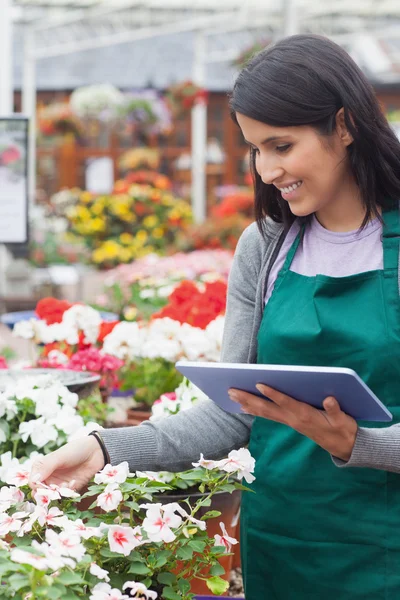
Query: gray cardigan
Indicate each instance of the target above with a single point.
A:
(173, 443)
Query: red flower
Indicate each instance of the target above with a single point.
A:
(105, 328)
(187, 304)
(51, 310)
(3, 363)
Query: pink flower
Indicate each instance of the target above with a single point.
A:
(17, 476)
(92, 359)
(110, 498)
(78, 527)
(124, 539)
(54, 517)
(224, 539)
(113, 474)
(11, 522)
(66, 544)
(159, 520)
(28, 558)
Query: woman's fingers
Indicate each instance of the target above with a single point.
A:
(256, 406)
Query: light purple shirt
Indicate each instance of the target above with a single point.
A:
(331, 253)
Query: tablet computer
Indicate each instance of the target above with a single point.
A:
(307, 384)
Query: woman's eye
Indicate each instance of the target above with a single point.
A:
(283, 148)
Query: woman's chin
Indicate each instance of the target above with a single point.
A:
(300, 209)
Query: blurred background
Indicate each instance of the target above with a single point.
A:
(116, 143)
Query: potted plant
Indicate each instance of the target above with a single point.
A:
(132, 547)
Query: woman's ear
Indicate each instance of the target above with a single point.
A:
(341, 128)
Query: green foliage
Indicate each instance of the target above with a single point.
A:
(150, 378)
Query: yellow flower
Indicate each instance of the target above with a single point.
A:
(157, 233)
(142, 235)
(86, 197)
(150, 221)
(126, 238)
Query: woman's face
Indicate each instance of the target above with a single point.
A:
(311, 171)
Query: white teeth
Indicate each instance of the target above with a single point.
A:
(291, 188)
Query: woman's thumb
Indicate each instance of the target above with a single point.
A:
(331, 406)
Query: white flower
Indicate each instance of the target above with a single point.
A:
(240, 462)
(124, 539)
(83, 318)
(224, 539)
(86, 532)
(43, 496)
(110, 498)
(207, 464)
(8, 407)
(57, 357)
(113, 474)
(9, 496)
(160, 476)
(7, 462)
(139, 590)
(154, 347)
(99, 572)
(51, 518)
(125, 341)
(66, 544)
(11, 522)
(28, 558)
(26, 329)
(17, 475)
(159, 521)
(195, 343)
(40, 432)
(67, 420)
(174, 506)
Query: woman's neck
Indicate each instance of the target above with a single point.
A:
(344, 214)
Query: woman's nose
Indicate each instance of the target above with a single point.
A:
(269, 172)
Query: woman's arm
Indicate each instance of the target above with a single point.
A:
(375, 448)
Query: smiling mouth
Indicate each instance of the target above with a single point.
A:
(291, 188)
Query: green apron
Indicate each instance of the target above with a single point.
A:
(313, 531)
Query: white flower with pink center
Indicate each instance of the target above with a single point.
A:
(139, 590)
(66, 544)
(99, 572)
(9, 496)
(62, 490)
(224, 539)
(208, 464)
(240, 462)
(28, 558)
(159, 522)
(110, 498)
(53, 517)
(124, 539)
(113, 474)
(174, 506)
(10, 523)
(86, 532)
(44, 495)
(17, 475)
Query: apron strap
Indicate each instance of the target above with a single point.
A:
(292, 250)
(391, 238)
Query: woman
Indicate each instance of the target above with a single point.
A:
(316, 283)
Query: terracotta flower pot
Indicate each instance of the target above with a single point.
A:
(228, 505)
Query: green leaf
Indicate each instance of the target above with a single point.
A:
(217, 585)
(106, 552)
(18, 581)
(50, 592)
(217, 570)
(139, 568)
(211, 514)
(69, 578)
(166, 578)
(184, 553)
(184, 586)
(161, 558)
(197, 545)
(70, 596)
(169, 594)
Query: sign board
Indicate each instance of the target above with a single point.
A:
(99, 175)
(13, 179)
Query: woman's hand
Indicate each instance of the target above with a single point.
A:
(74, 464)
(330, 428)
